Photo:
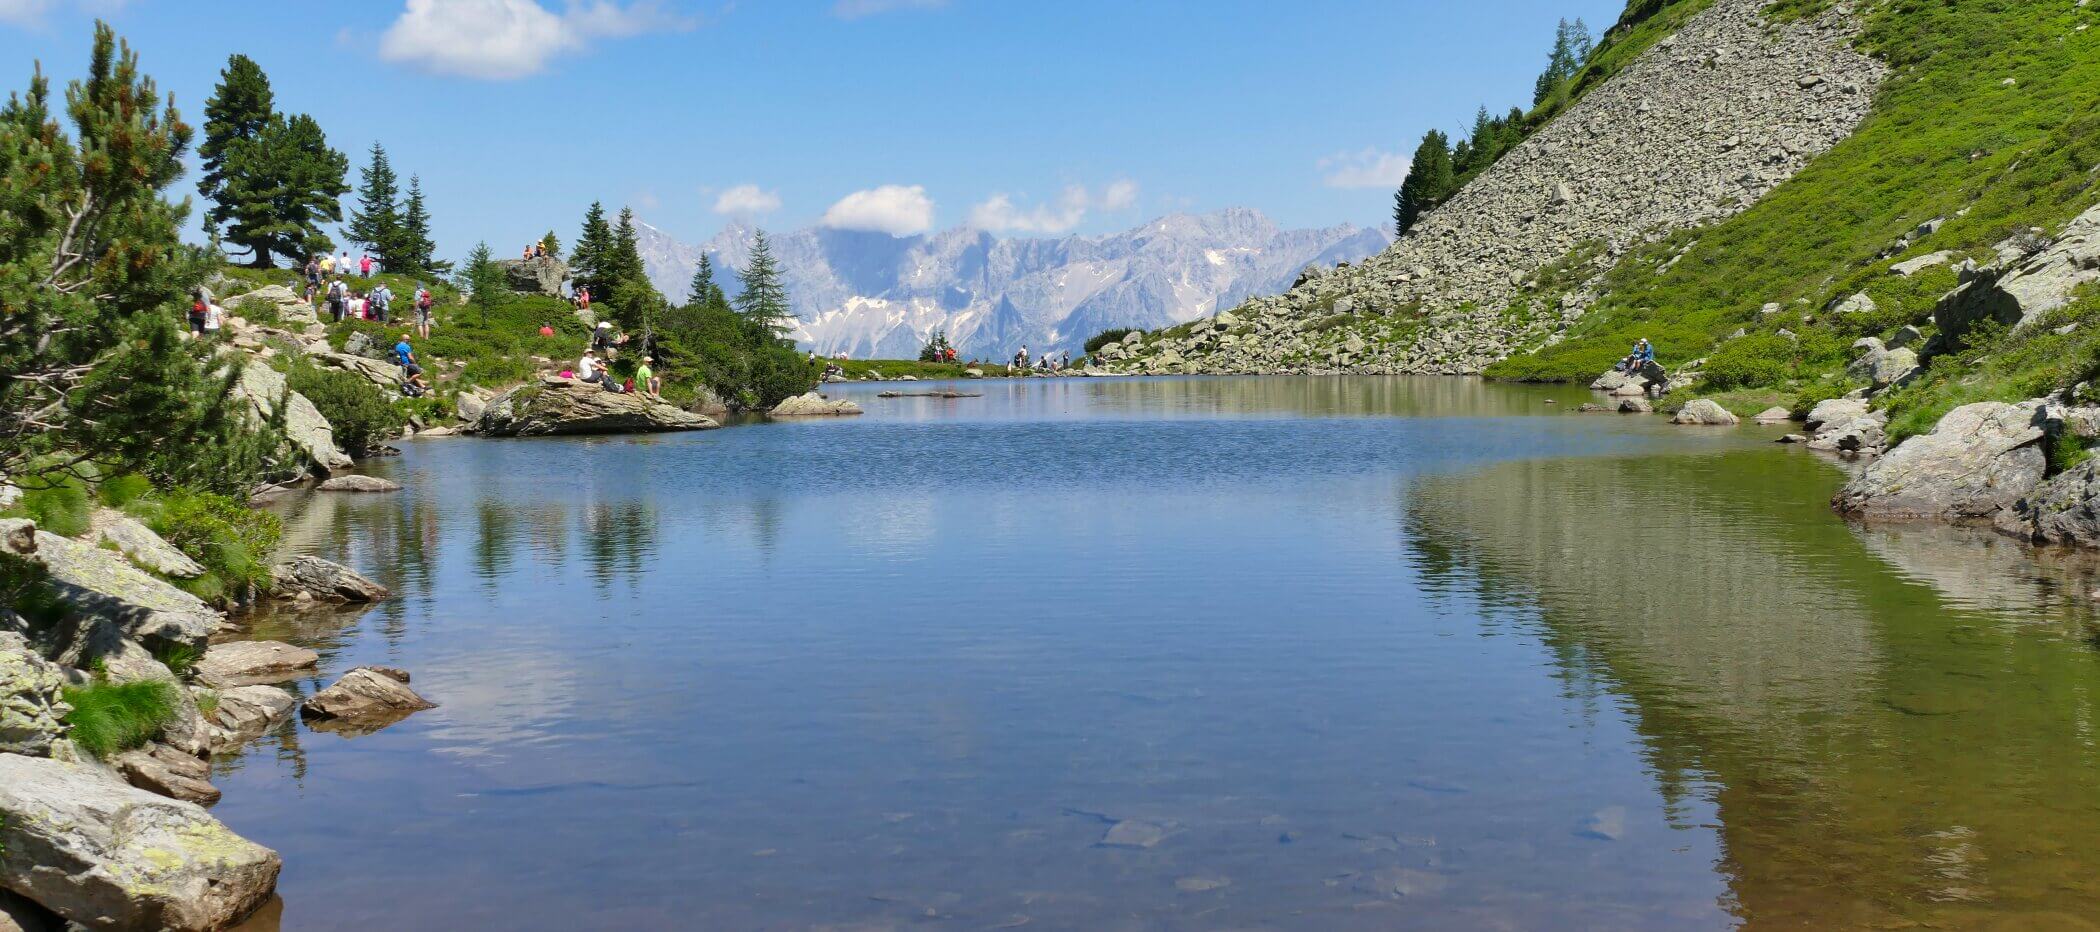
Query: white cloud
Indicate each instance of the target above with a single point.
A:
(30, 13)
(1366, 168)
(999, 213)
(1120, 195)
(747, 199)
(503, 39)
(855, 9)
(892, 208)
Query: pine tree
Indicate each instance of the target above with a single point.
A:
(703, 292)
(238, 110)
(273, 180)
(624, 276)
(377, 221)
(419, 250)
(764, 300)
(551, 244)
(1430, 179)
(483, 280)
(97, 371)
(592, 247)
(1571, 46)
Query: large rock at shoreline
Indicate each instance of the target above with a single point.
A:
(246, 712)
(1704, 411)
(264, 387)
(811, 404)
(365, 700)
(557, 406)
(323, 580)
(1980, 459)
(244, 663)
(138, 542)
(542, 276)
(2065, 510)
(158, 768)
(110, 856)
(354, 483)
(107, 595)
(32, 699)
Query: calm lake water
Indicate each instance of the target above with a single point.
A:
(1304, 653)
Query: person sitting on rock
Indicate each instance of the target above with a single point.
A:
(591, 369)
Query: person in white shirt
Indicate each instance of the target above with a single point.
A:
(214, 315)
(587, 367)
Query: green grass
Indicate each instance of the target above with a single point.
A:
(109, 718)
(63, 507)
(1946, 136)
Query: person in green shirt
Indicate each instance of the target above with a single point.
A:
(645, 378)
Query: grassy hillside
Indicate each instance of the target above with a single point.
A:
(1991, 120)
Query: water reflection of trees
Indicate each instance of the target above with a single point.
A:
(1877, 754)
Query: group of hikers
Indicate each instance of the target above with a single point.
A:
(1050, 362)
(595, 365)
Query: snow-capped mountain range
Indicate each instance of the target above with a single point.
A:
(873, 295)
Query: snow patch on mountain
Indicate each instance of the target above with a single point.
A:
(873, 295)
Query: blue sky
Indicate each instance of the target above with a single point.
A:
(1024, 118)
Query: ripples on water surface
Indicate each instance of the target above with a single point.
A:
(1336, 653)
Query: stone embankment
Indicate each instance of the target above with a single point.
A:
(122, 841)
(1697, 129)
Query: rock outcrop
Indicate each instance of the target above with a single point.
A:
(365, 700)
(322, 580)
(245, 663)
(556, 406)
(32, 699)
(811, 404)
(137, 541)
(111, 856)
(1979, 460)
(2065, 510)
(541, 276)
(2021, 287)
(273, 301)
(264, 388)
(1695, 130)
(109, 601)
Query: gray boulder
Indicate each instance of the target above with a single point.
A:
(353, 483)
(1864, 434)
(811, 404)
(111, 856)
(32, 699)
(158, 768)
(106, 595)
(243, 663)
(1980, 459)
(246, 712)
(365, 700)
(1912, 267)
(137, 541)
(558, 406)
(1636, 406)
(322, 580)
(1855, 304)
(1774, 415)
(542, 276)
(1833, 412)
(2065, 510)
(1704, 411)
(264, 388)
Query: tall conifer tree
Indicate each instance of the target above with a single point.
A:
(377, 221)
(764, 300)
